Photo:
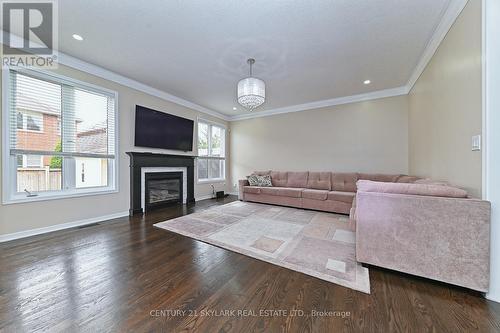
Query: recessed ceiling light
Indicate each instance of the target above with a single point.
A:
(235, 108)
(77, 37)
(367, 81)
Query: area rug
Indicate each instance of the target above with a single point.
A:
(319, 244)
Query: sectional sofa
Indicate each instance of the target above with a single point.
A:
(404, 223)
(325, 191)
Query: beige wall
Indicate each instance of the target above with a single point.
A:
(26, 216)
(427, 133)
(445, 107)
(369, 136)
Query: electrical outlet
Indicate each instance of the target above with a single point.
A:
(476, 142)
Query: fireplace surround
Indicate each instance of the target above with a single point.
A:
(144, 164)
(162, 189)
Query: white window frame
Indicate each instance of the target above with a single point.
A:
(25, 162)
(9, 162)
(208, 157)
(25, 128)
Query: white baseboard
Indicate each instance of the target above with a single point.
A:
(493, 297)
(203, 197)
(56, 227)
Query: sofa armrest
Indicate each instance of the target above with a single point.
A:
(445, 239)
(241, 184)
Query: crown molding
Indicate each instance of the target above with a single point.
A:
(326, 103)
(450, 15)
(130, 83)
(106, 74)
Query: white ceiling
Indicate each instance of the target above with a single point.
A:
(305, 51)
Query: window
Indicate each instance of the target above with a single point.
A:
(61, 137)
(30, 121)
(211, 152)
(29, 161)
(32, 161)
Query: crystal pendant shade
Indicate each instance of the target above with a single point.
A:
(251, 92)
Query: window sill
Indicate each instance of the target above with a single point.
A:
(44, 196)
(210, 181)
(29, 131)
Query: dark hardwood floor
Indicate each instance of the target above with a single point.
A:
(126, 275)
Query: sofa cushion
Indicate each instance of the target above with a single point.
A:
(297, 179)
(315, 194)
(270, 190)
(251, 189)
(278, 178)
(282, 191)
(346, 197)
(378, 177)
(262, 173)
(407, 179)
(429, 181)
(345, 182)
(319, 180)
(412, 189)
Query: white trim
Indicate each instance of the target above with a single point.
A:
(451, 13)
(491, 135)
(146, 170)
(61, 226)
(7, 184)
(204, 197)
(89, 68)
(325, 103)
(120, 79)
(210, 122)
(56, 195)
(211, 180)
(9, 190)
(210, 196)
(484, 113)
(210, 125)
(48, 75)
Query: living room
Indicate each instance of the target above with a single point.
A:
(317, 167)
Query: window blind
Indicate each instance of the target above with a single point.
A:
(54, 118)
(211, 151)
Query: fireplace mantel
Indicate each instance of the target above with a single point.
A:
(140, 160)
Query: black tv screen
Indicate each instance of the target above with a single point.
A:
(157, 129)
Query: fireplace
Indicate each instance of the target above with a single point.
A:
(162, 189)
(157, 165)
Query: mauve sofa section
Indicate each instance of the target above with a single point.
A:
(325, 191)
(274, 200)
(425, 230)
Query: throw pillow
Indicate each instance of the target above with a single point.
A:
(264, 180)
(252, 180)
(256, 180)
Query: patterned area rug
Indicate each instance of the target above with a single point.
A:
(319, 244)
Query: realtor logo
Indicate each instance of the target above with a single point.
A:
(29, 33)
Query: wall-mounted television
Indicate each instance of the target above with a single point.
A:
(157, 129)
